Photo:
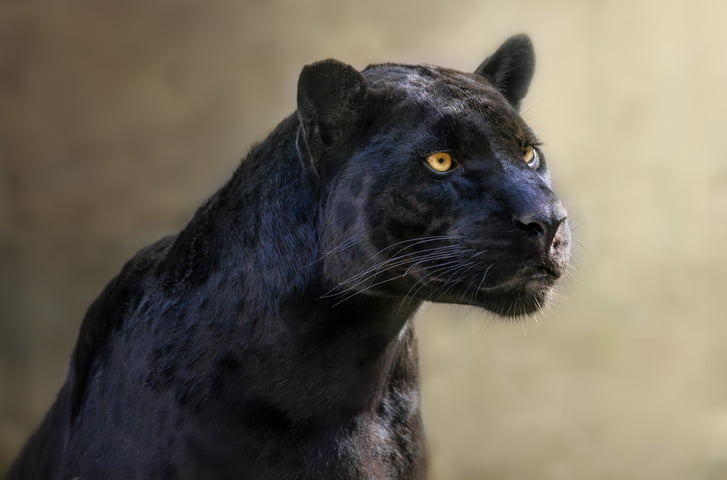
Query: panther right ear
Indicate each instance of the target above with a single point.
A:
(330, 100)
(511, 68)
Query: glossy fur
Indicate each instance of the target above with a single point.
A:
(273, 338)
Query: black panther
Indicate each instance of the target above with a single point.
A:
(272, 338)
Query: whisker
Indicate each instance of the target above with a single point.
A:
(363, 277)
(346, 244)
(415, 258)
(431, 276)
(449, 284)
(413, 242)
(393, 262)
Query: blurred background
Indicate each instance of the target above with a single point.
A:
(117, 119)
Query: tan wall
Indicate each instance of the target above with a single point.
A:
(118, 118)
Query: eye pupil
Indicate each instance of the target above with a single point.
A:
(440, 162)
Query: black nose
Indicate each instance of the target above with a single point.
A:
(541, 227)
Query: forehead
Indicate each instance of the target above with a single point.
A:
(440, 93)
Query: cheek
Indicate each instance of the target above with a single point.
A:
(412, 211)
(345, 215)
(343, 239)
(342, 218)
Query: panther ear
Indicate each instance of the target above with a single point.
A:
(330, 100)
(511, 68)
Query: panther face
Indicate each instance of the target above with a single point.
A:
(437, 190)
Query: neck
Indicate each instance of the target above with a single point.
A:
(254, 246)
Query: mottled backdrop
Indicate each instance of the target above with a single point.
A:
(118, 118)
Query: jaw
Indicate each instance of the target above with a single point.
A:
(519, 296)
(517, 302)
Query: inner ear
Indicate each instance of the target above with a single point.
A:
(330, 100)
(510, 69)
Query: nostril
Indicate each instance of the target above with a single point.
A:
(531, 225)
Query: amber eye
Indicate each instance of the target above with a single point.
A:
(440, 162)
(531, 157)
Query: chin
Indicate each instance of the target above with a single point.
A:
(519, 300)
(523, 293)
(518, 304)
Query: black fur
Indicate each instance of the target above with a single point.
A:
(272, 338)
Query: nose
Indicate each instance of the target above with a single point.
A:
(541, 227)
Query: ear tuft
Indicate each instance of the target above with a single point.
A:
(510, 69)
(330, 99)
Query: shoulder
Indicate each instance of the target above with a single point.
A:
(108, 312)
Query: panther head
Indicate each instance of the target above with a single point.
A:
(431, 185)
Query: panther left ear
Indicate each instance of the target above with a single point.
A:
(511, 68)
(330, 100)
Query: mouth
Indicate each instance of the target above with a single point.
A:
(510, 287)
(538, 282)
(551, 268)
(524, 293)
(527, 280)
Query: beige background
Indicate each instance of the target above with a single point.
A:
(118, 118)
